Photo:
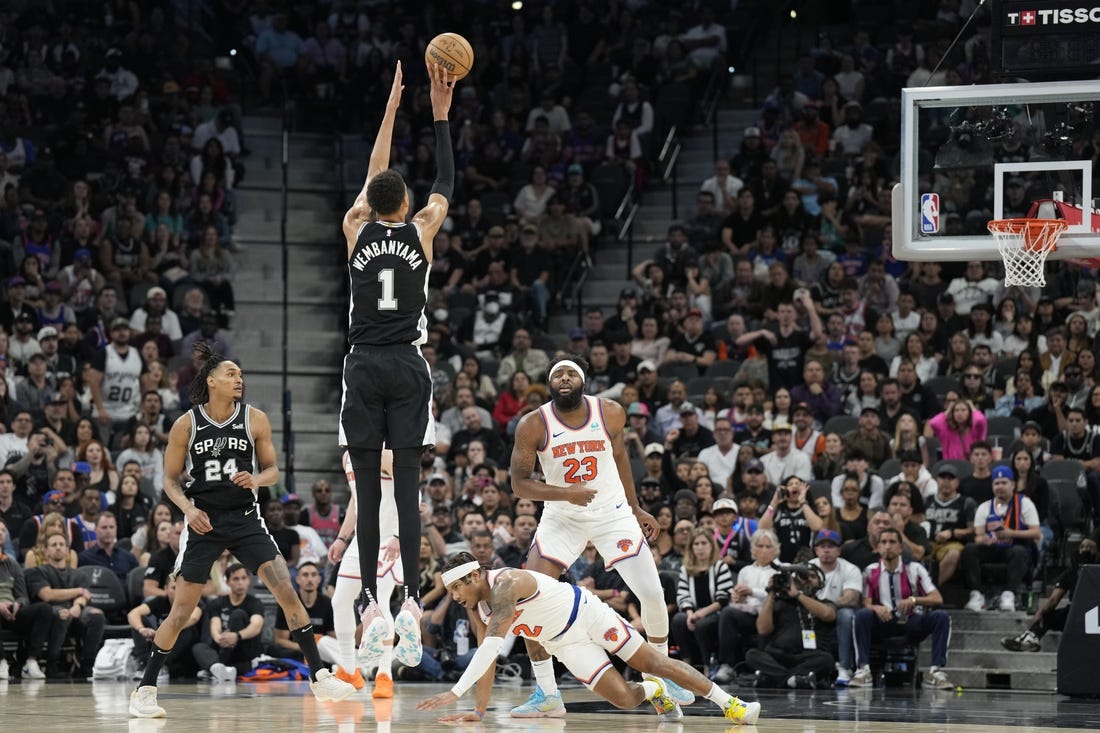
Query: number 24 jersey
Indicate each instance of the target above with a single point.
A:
(216, 452)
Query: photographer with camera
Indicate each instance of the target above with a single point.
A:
(896, 601)
(800, 652)
(792, 517)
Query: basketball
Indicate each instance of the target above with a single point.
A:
(452, 52)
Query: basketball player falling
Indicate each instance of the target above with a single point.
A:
(349, 584)
(225, 445)
(589, 497)
(387, 384)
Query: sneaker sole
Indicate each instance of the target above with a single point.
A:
(679, 695)
(323, 696)
(371, 646)
(407, 651)
(153, 716)
(557, 712)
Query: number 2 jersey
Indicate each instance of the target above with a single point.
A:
(215, 452)
(550, 611)
(582, 454)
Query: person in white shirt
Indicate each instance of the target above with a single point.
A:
(843, 587)
(720, 458)
(737, 621)
(156, 304)
(783, 461)
(724, 186)
(1006, 530)
(974, 287)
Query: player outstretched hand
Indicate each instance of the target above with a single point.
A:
(649, 525)
(467, 717)
(581, 494)
(443, 84)
(245, 480)
(395, 91)
(197, 520)
(336, 551)
(437, 701)
(391, 550)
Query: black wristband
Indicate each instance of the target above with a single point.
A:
(444, 160)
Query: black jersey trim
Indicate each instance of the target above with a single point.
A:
(212, 421)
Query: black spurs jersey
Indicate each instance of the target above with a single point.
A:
(389, 286)
(215, 453)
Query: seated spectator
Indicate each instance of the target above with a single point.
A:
(864, 551)
(703, 591)
(872, 489)
(979, 484)
(106, 552)
(914, 538)
(793, 518)
(13, 512)
(1053, 614)
(900, 600)
(213, 269)
(285, 538)
(162, 564)
(514, 554)
(790, 616)
(140, 445)
(131, 508)
(318, 608)
(33, 620)
(49, 525)
(146, 617)
(156, 304)
(1006, 529)
(56, 583)
(311, 548)
(851, 516)
(737, 621)
(843, 588)
(236, 623)
(950, 518)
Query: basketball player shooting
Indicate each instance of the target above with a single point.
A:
(387, 384)
(589, 497)
(221, 442)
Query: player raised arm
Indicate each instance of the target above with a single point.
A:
(379, 161)
(431, 217)
(615, 421)
(529, 436)
(175, 456)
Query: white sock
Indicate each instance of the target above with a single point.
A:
(385, 663)
(649, 688)
(344, 620)
(719, 697)
(661, 646)
(544, 676)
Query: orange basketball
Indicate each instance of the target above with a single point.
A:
(452, 52)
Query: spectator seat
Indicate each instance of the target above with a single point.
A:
(1004, 426)
(841, 424)
(108, 596)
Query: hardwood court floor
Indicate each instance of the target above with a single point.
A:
(280, 706)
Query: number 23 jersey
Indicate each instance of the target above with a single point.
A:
(215, 452)
(584, 454)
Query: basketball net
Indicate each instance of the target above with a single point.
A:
(1024, 245)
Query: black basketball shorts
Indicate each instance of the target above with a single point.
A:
(387, 398)
(241, 531)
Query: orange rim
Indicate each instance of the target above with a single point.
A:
(1039, 235)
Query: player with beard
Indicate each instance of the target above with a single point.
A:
(589, 496)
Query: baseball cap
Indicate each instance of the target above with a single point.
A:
(781, 426)
(628, 293)
(82, 467)
(687, 408)
(496, 231)
(119, 322)
(909, 456)
(802, 407)
(694, 313)
(754, 464)
(752, 132)
(647, 365)
(47, 332)
(575, 168)
(83, 255)
(1032, 425)
(722, 505)
(37, 355)
(440, 509)
(576, 333)
(51, 495)
(638, 408)
(947, 470)
(651, 481)
(290, 499)
(655, 448)
(57, 399)
(685, 495)
(868, 408)
(1003, 472)
(437, 477)
(155, 290)
(827, 535)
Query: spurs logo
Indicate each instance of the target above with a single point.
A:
(611, 635)
(219, 446)
(624, 545)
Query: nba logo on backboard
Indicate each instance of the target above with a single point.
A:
(929, 213)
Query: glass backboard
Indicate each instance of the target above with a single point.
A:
(974, 153)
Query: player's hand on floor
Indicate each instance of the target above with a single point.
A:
(467, 717)
(437, 701)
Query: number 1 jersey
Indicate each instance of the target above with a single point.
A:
(584, 454)
(388, 270)
(216, 452)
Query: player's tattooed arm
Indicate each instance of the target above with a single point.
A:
(502, 602)
(529, 437)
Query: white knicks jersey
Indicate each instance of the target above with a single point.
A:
(544, 615)
(572, 455)
(387, 509)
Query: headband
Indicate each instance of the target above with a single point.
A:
(460, 572)
(563, 364)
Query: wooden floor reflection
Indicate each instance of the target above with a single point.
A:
(279, 706)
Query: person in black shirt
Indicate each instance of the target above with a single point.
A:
(319, 608)
(285, 538)
(791, 514)
(864, 552)
(690, 437)
(159, 570)
(531, 272)
(791, 344)
(623, 365)
(694, 345)
(236, 624)
(915, 395)
(145, 618)
(1078, 441)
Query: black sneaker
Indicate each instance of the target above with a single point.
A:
(1025, 642)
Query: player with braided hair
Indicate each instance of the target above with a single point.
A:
(225, 447)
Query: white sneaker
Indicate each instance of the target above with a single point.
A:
(222, 673)
(31, 670)
(408, 649)
(976, 602)
(843, 676)
(862, 678)
(143, 703)
(1008, 601)
(5, 672)
(328, 688)
(724, 674)
(937, 679)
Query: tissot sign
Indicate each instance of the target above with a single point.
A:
(1041, 40)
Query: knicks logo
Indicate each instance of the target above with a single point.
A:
(624, 545)
(611, 635)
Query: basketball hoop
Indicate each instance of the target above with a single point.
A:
(1024, 245)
